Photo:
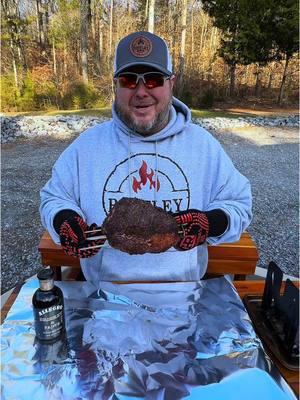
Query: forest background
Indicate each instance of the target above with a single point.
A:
(58, 54)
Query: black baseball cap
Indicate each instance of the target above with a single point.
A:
(142, 48)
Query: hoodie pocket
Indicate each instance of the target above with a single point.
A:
(171, 265)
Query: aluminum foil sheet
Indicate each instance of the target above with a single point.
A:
(140, 341)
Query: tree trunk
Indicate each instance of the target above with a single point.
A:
(281, 92)
(54, 58)
(182, 46)
(213, 42)
(45, 24)
(65, 65)
(110, 30)
(85, 12)
(129, 8)
(232, 80)
(170, 26)
(146, 10)
(100, 42)
(151, 16)
(14, 64)
(245, 76)
(100, 34)
(183, 30)
(42, 15)
(203, 32)
(192, 39)
(39, 21)
(93, 19)
(257, 83)
(271, 76)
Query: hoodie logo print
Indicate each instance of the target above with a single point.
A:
(145, 177)
(135, 176)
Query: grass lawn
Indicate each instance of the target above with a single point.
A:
(106, 112)
(216, 113)
(91, 112)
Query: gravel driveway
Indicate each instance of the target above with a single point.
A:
(268, 156)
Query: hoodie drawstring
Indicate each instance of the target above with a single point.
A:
(129, 163)
(156, 173)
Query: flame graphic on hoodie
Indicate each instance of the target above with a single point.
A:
(144, 177)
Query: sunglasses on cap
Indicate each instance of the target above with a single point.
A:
(129, 80)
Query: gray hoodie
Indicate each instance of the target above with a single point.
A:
(178, 168)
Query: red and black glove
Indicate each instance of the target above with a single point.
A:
(71, 229)
(196, 226)
(193, 228)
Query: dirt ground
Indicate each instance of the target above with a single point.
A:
(257, 108)
(26, 166)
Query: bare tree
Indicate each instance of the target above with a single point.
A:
(182, 45)
(54, 57)
(39, 22)
(85, 15)
(283, 80)
(151, 16)
(12, 22)
(50, 40)
(110, 30)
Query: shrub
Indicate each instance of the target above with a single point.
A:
(14, 100)
(27, 99)
(8, 93)
(79, 95)
(208, 98)
(46, 87)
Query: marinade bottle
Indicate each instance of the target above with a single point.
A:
(48, 307)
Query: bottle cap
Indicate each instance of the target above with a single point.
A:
(45, 274)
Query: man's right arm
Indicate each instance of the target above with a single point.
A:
(61, 192)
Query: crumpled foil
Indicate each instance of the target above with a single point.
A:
(163, 341)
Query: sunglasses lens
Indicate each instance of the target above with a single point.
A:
(152, 80)
(127, 81)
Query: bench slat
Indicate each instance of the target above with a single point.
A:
(227, 258)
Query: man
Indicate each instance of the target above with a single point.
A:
(152, 151)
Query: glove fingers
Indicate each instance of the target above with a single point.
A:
(187, 243)
(193, 226)
(73, 250)
(80, 229)
(73, 238)
(95, 227)
(87, 253)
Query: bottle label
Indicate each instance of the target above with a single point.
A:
(49, 322)
(49, 309)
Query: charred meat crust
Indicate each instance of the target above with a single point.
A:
(136, 227)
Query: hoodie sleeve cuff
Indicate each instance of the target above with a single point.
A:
(61, 216)
(218, 222)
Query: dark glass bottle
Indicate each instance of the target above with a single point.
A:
(48, 307)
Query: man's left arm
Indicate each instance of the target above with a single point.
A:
(226, 216)
(232, 194)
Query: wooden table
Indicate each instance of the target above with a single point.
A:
(254, 287)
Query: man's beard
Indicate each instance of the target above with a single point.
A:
(147, 128)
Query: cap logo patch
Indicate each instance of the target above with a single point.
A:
(141, 46)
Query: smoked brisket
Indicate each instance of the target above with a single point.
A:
(136, 227)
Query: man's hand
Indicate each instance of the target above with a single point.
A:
(193, 226)
(73, 237)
